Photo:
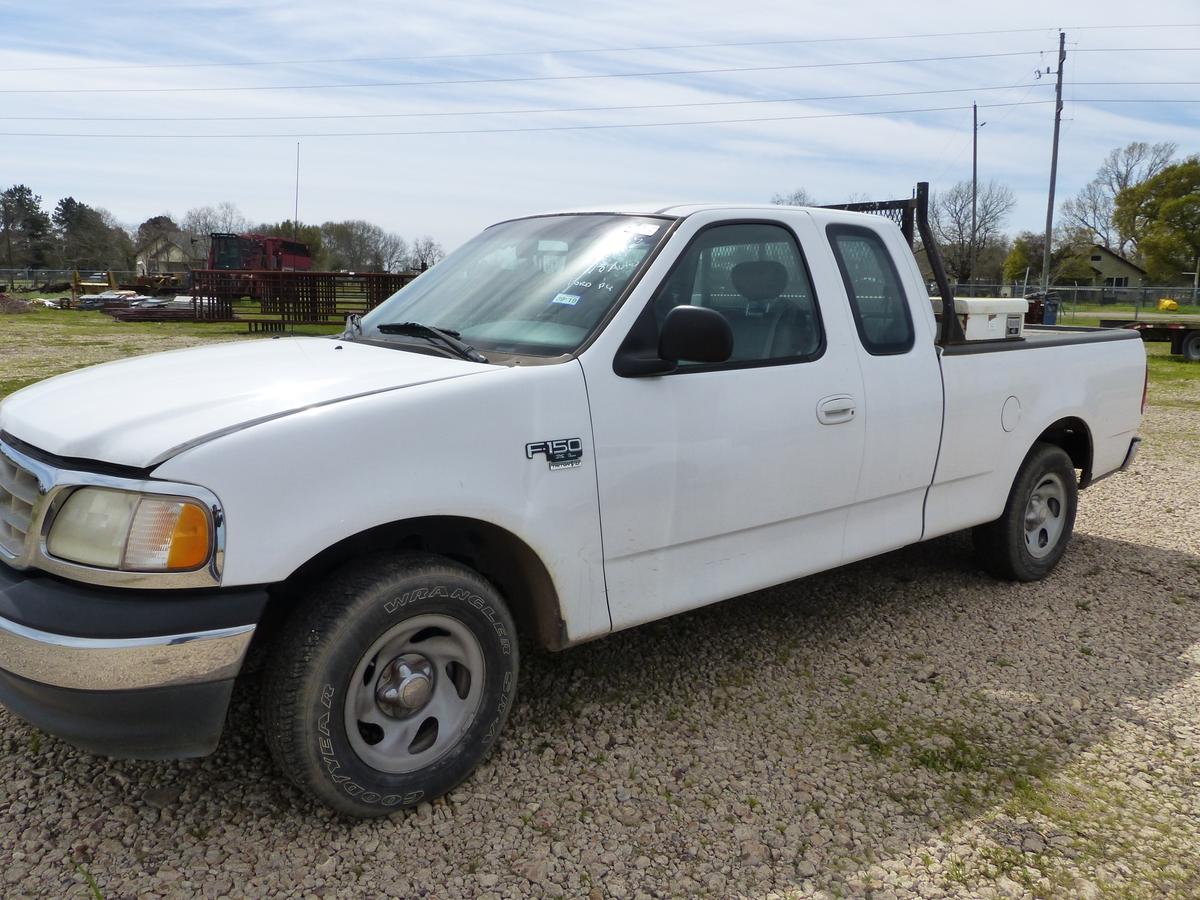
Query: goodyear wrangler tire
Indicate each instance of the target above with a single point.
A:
(390, 684)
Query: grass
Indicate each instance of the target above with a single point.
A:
(1104, 823)
(1174, 381)
(46, 342)
(1186, 307)
(93, 886)
(944, 746)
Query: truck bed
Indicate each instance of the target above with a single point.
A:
(998, 402)
(1038, 336)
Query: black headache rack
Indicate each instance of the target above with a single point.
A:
(906, 214)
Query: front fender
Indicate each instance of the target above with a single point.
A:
(294, 486)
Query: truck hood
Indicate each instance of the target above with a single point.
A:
(141, 411)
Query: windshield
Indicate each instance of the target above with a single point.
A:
(534, 287)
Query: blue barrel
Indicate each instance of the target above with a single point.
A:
(1051, 302)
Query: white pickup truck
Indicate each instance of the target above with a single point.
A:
(575, 424)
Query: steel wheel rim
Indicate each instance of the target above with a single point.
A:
(1045, 515)
(429, 668)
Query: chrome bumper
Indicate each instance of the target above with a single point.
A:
(119, 664)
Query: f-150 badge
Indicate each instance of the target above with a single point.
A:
(565, 453)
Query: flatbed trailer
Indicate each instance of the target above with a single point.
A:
(1184, 337)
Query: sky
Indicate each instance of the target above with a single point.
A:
(149, 108)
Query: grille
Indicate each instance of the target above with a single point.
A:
(18, 493)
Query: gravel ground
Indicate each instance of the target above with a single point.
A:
(904, 726)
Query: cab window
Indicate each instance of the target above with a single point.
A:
(874, 289)
(754, 275)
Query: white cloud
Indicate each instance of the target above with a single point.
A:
(450, 185)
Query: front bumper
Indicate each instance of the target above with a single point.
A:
(144, 674)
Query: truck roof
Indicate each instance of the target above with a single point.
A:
(673, 210)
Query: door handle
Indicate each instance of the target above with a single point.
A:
(836, 410)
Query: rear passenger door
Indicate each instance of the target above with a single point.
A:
(719, 479)
(902, 386)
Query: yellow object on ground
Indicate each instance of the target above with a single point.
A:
(1166, 304)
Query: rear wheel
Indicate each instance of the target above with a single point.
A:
(390, 684)
(1030, 537)
(1191, 346)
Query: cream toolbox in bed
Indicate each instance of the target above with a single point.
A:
(988, 318)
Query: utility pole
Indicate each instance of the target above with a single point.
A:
(975, 126)
(1062, 56)
(296, 208)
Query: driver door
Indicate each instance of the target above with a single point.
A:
(719, 479)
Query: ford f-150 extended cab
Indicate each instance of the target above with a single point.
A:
(574, 424)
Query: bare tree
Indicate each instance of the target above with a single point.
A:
(425, 252)
(201, 221)
(951, 220)
(798, 197)
(204, 220)
(1093, 207)
(392, 252)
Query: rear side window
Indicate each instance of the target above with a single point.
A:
(874, 289)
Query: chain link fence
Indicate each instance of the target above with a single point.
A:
(1108, 302)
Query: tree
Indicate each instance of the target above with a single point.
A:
(122, 249)
(425, 253)
(82, 235)
(349, 245)
(25, 237)
(1069, 257)
(1162, 215)
(1093, 208)
(950, 212)
(90, 238)
(225, 217)
(155, 227)
(798, 197)
(362, 246)
(309, 235)
(1024, 259)
(393, 252)
(202, 221)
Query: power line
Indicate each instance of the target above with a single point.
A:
(591, 127)
(1133, 49)
(578, 50)
(536, 128)
(958, 151)
(512, 112)
(521, 78)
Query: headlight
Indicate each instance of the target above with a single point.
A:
(132, 532)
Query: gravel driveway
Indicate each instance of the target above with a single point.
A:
(903, 726)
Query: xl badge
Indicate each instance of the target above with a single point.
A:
(566, 453)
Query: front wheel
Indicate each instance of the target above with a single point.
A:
(390, 684)
(1030, 537)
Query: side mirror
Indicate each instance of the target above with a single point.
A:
(695, 334)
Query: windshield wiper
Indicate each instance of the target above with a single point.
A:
(444, 336)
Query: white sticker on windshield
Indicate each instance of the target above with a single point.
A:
(642, 228)
(566, 299)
